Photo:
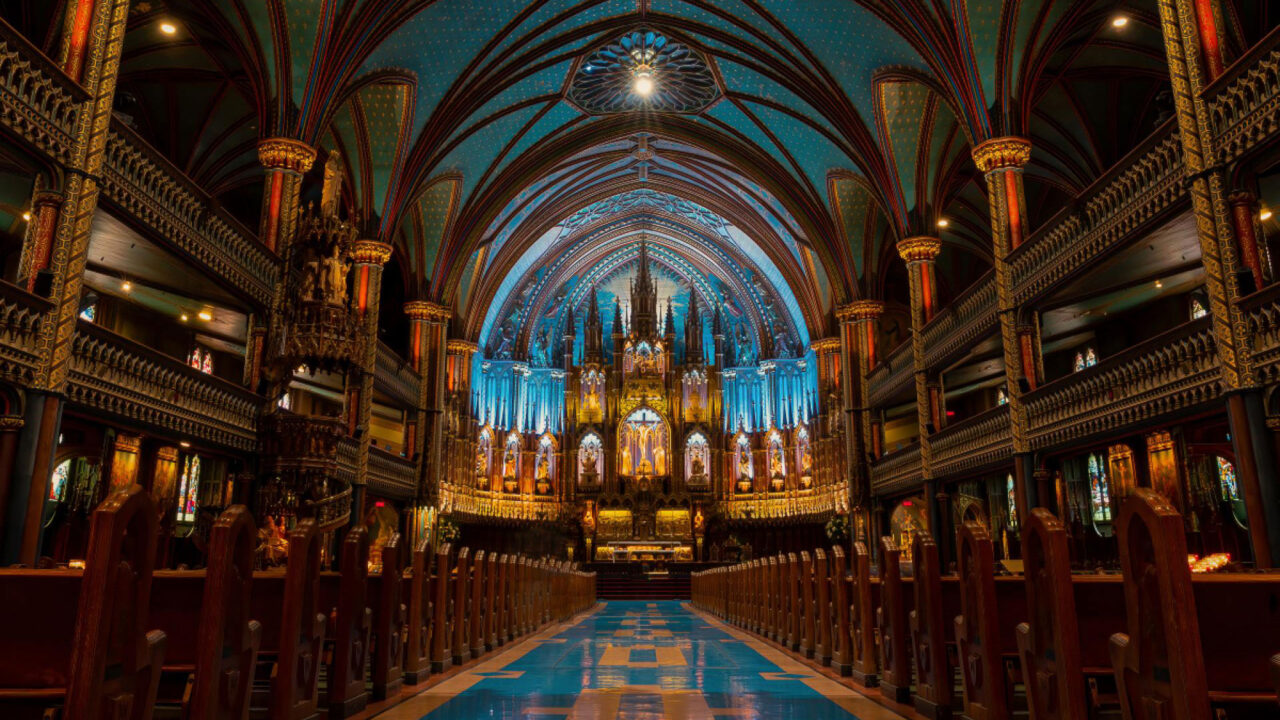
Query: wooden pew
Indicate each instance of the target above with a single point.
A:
(479, 602)
(794, 610)
(977, 626)
(390, 617)
(822, 599)
(1191, 645)
(347, 592)
(930, 626)
(509, 600)
(502, 615)
(419, 609)
(772, 613)
(841, 656)
(808, 626)
(892, 617)
(1049, 642)
(213, 654)
(863, 654)
(492, 603)
(460, 582)
(441, 631)
(77, 639)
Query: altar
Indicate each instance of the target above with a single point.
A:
(644, 551)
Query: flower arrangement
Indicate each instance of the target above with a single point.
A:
(837, 529)
(447, 531)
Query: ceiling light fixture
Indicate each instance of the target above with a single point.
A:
(182, 317)
(205, 315)
(184, 444)
(126, 286)
(168, 28)
(26, 216)
(943, 222)
(1159, 284)
(642, 83)
(1265, 214)
(1119, 21)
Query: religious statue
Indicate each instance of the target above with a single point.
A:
(273, 544)
(744, 465)
(697, 466)
(589, 458)
(509, 463)
(775, 462)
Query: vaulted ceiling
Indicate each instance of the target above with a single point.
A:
(820, 131)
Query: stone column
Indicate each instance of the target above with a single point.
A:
(1194, 52)
(429, 324)
(858, 332)
(1001, 160)
(369, 256)
(1244, 215)
(37, 251)
(93, 38)
(920, 254)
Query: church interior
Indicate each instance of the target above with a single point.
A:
(422, 359)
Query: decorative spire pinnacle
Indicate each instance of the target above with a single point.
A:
(669, 321)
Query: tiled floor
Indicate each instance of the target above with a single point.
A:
(639, 660)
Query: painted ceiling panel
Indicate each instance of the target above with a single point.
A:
(371, 128)
(304, 22)
(984, 39)
(473, 156)
(428, 223)
(813, 152)
(856, 211)
(902, 105)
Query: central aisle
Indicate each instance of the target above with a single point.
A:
(631, 660)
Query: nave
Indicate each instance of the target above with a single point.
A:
(638, 660)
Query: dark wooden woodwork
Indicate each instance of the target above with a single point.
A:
(822, 601)
(977, 627)
(892, 617)
(441, 635)
(460, 581)
(930, 626)
(1049, 642)
(794, 610)
(352, 626)
(390, 616)
(419, 609)
(479, 602)
(863, 655)
(842, 655)
(492, 602)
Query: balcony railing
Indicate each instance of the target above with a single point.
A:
(156, 193)
(972, 443)
(394, 377)
(1174, 372)
(38, 102)
(815, 504)
(1242, 103)
(118, 377)
(392, 476)
(970, 317)
(20, 315)
(896, 471)
(1262, 312)
(892, 376)
(467, 501)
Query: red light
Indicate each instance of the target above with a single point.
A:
(951, 413)
(906, 503)
(379, 504)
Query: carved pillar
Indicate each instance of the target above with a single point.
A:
(286, 161)
(1194, 52)
(429, 324)
(37, 251)
(458, 389)
(920, 253)
(858, 332)
(1244, 214)
(1002, 160)
(368, 257)
(92, 41)
(1030, 355)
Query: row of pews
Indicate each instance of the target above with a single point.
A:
(120, 640)
(1157, 643)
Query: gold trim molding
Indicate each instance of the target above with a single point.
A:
(462, 347)
(286, 154)
(825, 345)
(426, 310)
(919, 249)
(860, 310)
(371, 252)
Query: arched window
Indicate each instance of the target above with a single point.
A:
(58, 483)
(189, 489)
(590, 459)
(1099, 493)
(286, 402)
(1002, 396)
(1198, 310)
(777, 461)
(804, 456)
(90, 312)
(697, 458)
(1227, 480)
(643, 445)
(484, 454)
(1086, 359)
(201, 360)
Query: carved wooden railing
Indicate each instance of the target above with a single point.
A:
(393, 376)
(143, 183)
(116, 376)
(892, 376)
(37, 101)
(1174, 372)
(972, 443)
(332, 512)
(472, 502)
(897, 470)
(20, 314)
(816, 504)
(970, 317)
(1138, 189)
(1243, 102)
(348, 459)
(392, 476)
(1262, 313)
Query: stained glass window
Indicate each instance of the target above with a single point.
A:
(1002, 396)
(58, 483)
(286, 402)
(201, 360)
(1227, 480)
(1086, 359)
(1099, 494)
(90, 312)
(1012, 499)
(189, 489)
(1198, 310)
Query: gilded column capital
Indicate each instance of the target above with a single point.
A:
(919, 249)
(830, 344)
(1002, 153)
(371, 252)
(461, 347)
(860, 310)
(286, 154)
(11, 423)
(427, 310)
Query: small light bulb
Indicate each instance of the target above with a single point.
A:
(168, 28)
(1265, 214)
(643, 84)
(184, 444)
(943, 222)
(1119, 21)
(183, 317)
(1159, 284)
(126, 286)
(26, 216)
(205, 315)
